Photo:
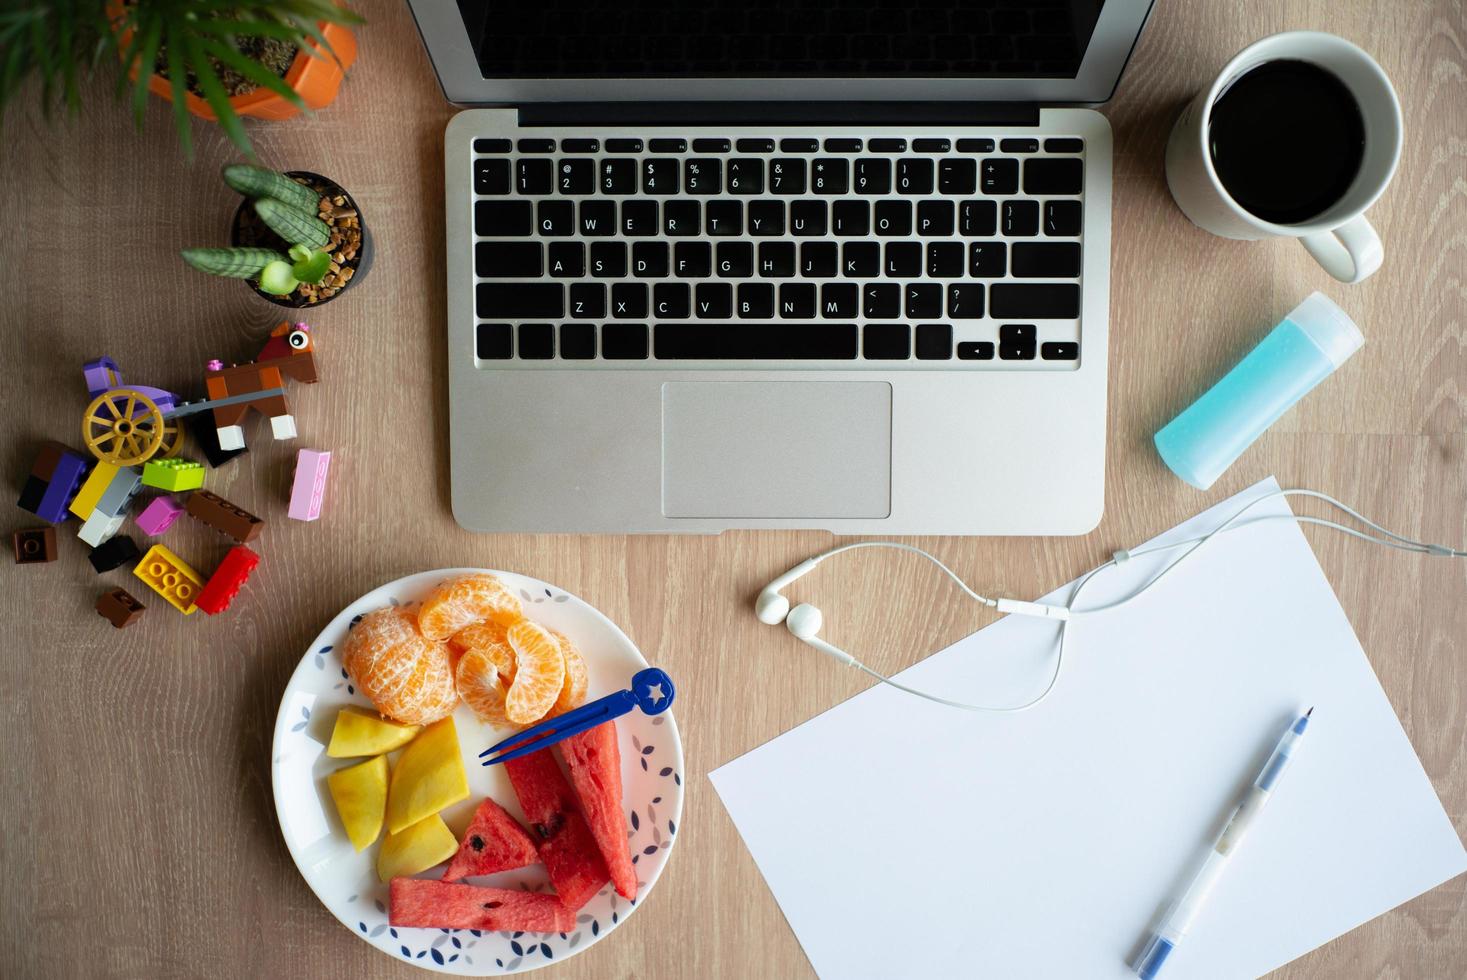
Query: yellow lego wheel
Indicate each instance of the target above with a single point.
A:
(124, 427)
(172, 442)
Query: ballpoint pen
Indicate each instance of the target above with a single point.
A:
(1179, 917)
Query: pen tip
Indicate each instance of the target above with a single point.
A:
(1309, 712)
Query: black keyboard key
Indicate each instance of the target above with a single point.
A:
(735, 260)
(886, 341)
(839, 300)
(977, 218)
(537, 341)
(924, 300)
(578, 340)
(672, 301)
(649, 260)
(745, 175)
(659, 176)
(714, 301)
(756, 301)
(598, 219)
(624, 341)
(903, 261)
(851, 217)
(628, 300)
(934, 342)
(669, 146)
(777, 259)
(536, 146)
(999, 176)
(978, 145)
(965, 301)
(975, 350)
(1062, 217)
(711, 146)
(842, 146)
(829, 176)
(608, 260)
(931, 146)
(556, 219)
(1059, 350)
(893, 217)
(795, 145)
(887, 145)
(619, 175)
(755, 146)
(957, 176)
(1063, 144)
(535, 176)
(1054, 175)
(767, 217)
(682, 218)
(1047, 260)
(580, 146)
(693, 260)
(724, 218)
(702, 175)
(861, 260)
(507, 260)
(914, 175)
(567, 260)
(808, 217)
(882, 301)
(934, 218)
(1020, 218)
(495, 218)
(945, 260)
(1019, 145)
(1036, 301)
(520, 300)
(786, 176)
(493, 341)
(484, 145)
(1016, 342)
(797, 300)
(587, 300)
(987, 260)
(624, 146)
(774, 341)
(872, 176)
(639, 217)
(819, 260)
(491, 176)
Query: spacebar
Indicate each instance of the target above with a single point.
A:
(755, 341)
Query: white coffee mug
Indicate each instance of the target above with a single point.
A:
(1340, 238)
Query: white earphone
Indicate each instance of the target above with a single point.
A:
(805, 621)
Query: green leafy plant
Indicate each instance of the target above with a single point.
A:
(64, 43)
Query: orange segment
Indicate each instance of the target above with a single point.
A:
(463, 601)
(406, 676)
(481, 688)
(539, 673)
(573, 691)
(488, 637)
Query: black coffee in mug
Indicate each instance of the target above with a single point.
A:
(1286, 139)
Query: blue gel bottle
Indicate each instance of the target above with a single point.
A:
(1304, 349)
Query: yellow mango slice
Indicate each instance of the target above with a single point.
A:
(428, 777)
(417, 848)
(359, 732)
(360, 795)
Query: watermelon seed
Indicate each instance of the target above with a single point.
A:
(492, 905)
(476, 842)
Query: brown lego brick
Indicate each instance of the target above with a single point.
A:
(119, 608)
(34, 545)
(223, 516)
(45, 465)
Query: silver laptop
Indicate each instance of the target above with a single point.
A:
(778, 265)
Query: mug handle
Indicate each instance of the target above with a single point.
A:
(1350, 252)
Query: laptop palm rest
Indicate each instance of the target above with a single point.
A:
(776, 449)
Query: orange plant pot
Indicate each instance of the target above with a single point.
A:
(316, 79)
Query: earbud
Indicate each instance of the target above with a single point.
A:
(771, 607)
(804, 621)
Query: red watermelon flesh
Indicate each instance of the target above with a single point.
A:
(562, 838)
(595, 768)
(432, 904)
(494, 842)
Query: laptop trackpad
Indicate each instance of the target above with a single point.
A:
(776, 449)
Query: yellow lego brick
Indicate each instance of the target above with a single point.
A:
(169, 576)
(91, 491)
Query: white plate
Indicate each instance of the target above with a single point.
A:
(346, 881)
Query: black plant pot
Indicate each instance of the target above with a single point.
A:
(265, 238)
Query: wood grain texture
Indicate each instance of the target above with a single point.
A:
(140, 837)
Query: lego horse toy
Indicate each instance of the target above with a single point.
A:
(128, 425)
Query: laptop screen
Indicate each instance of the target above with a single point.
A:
(788, 39)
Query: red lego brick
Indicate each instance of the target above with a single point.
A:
(224, 584)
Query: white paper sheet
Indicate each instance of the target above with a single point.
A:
(904, 839)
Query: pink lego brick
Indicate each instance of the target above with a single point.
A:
(159, 516)
(309, 485)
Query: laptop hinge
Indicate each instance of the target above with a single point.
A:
(779, 113)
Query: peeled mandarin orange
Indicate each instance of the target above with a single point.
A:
(573, 690)
(481, 687)
(539, 673)
(488, 637)
(463, 601)
(406, 676)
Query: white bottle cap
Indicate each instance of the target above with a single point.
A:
(1328, 326)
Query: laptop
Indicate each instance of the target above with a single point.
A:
(778, 263)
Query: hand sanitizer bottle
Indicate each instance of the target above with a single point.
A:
(1304, 349)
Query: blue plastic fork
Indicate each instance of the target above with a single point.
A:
(651, 690)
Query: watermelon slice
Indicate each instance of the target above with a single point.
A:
(562, 838)
(494, 842)
(595, 769)
(432, 904)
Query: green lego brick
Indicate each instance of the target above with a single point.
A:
(173, 475)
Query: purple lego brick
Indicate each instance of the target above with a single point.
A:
(159, 516)
(65, 480)
(101, 375)
(309, 485)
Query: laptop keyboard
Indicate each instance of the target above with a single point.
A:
(880, 252)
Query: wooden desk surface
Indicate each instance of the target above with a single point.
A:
(139, 832)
